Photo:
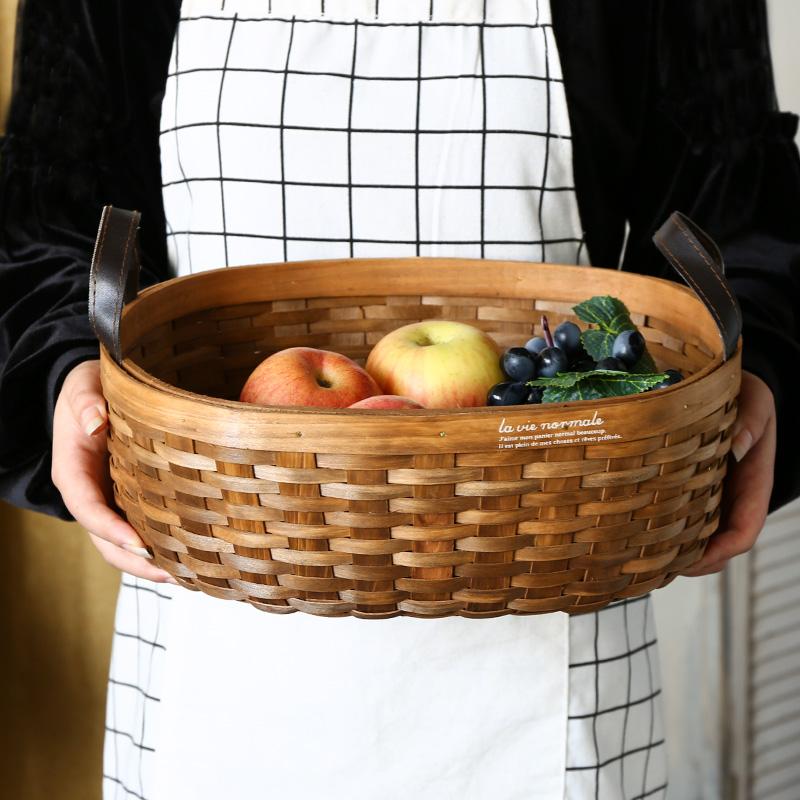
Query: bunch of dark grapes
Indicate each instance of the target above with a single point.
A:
(563, 351)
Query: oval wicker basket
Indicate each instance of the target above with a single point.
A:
(476, 512)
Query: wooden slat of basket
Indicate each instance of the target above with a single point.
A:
(556, 526)
(305, 495)
(366, 491)
(185, 463)
(501, 570)
(611, 553)
(248, 496)
(430, 498)
(365, 593)
(568, 488)
(499, 488)
(609, 532)
(439, 533)
(131, 458)
(245, 539)
(503, 535)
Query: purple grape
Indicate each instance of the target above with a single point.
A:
(567, 336)
(534, 396)
(674, 377)
(552, 360)
(518, 364)
(612, 363)
(507, 393)
(628, 347)
(535, 345)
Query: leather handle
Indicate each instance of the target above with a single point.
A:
(114, 275)
(693, 253)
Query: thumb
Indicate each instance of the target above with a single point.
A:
(93, 419)
(85, 398)
(756, 408)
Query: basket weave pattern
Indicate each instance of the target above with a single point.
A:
(376, 532)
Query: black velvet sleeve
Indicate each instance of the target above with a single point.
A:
(82, 132)
(673, 106)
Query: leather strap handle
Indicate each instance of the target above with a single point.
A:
(696, 257)
(114, 275)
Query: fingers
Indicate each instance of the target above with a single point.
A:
(80, 459)
(748, 492)
(128, 562)
(748, 486)
(88, 503)
(80, 472)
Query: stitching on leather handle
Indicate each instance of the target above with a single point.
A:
(686, 274)
(97, 262)
(118, 311)
(687, 235)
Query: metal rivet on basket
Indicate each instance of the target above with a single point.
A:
(298, 433)
(442, 433)
(685, 405)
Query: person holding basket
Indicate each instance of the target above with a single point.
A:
(285, 131)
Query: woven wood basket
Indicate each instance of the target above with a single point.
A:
(475, 512)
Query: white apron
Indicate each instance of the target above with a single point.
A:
(354, 128)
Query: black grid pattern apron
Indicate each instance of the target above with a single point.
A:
(357, 128)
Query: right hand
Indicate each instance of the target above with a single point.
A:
(80, 472)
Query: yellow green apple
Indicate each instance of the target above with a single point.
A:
(438, 363)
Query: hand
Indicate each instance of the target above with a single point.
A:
(748, 485)
(80, 472)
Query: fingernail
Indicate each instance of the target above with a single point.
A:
(93, 420)
(171, 580)
(94, 426)
(741, 443)
(137, 551)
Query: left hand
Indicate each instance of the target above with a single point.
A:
(748, 485)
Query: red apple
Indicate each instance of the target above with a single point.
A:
(438, 363)
(387, 401)
(303, 376)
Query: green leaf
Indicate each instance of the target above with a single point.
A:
(595, 385)
(555, 394)
(608, 313)
(598, 344)
(645, 364)
(563, 379)
(612, 317)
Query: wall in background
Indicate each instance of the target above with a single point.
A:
(784, 28)
(57, 598)
(8, 14)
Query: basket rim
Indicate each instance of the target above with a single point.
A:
(137, 373)
(140, 374)
(232, 424)
(419, 260)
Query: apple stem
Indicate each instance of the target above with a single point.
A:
(548, 337)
